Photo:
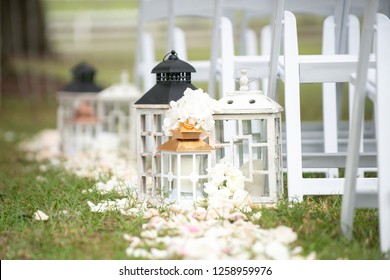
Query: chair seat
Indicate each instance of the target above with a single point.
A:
(324, 68)
(202, 70)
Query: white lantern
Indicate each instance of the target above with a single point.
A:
(81, 89)
(173, 78)
(185, 161)
(115, 109)
(248, 134)
(81, 131)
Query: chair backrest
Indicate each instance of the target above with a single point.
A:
(339, 9)
(174, 12)
(149, 11)
(269, 9)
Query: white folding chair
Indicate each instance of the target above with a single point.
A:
(326, 135)
(150, 11)
(178, 14)
(375, 84)
(294, 69)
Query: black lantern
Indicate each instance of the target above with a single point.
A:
(173, 77)
(82, 89)
(82, 79)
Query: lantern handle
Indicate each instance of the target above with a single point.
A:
(172, 55)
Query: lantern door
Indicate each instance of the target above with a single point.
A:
(252, 143)
(183, 175)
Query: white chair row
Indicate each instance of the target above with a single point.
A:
(294, 69)
(320, 137)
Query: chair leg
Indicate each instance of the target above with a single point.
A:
(329, 99)
(330, 123)
(351, 92)
(349, 197)
(383, 129)
(292, 105)
(383, 136)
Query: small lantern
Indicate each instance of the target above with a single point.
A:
(81, 89)
(115, 109)
(185, 159)
(80, 132)
(248, 134)
(173, 78)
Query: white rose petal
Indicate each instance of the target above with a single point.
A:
(40, 216)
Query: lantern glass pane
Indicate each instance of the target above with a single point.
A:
(142, 123)
(188, 169)
(257, 128)
(159, 137)
(241, 150)
(187, 172)
(260, 157)
(115, 116)
(158, 122)
(258, 187)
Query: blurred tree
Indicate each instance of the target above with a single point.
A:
(22, 27)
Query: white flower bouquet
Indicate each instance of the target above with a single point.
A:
(194, 109)
(226, 189)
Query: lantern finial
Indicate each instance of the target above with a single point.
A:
(244, 80)
(124, 78)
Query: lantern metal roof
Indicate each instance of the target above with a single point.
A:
(247, 102)
(173, 78)
(186, 140)
(123, 91)
(82, 79)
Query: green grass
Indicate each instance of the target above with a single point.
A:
(316, 220)
(25, 189)
(82, 234)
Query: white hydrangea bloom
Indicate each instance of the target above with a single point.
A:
(195, 107)
(225, 190)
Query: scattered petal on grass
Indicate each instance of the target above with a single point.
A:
(256, 216)
(150, 213)
(41, 179)
(115, 185)
(43, 168)
(225, 227)
(40, 216)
